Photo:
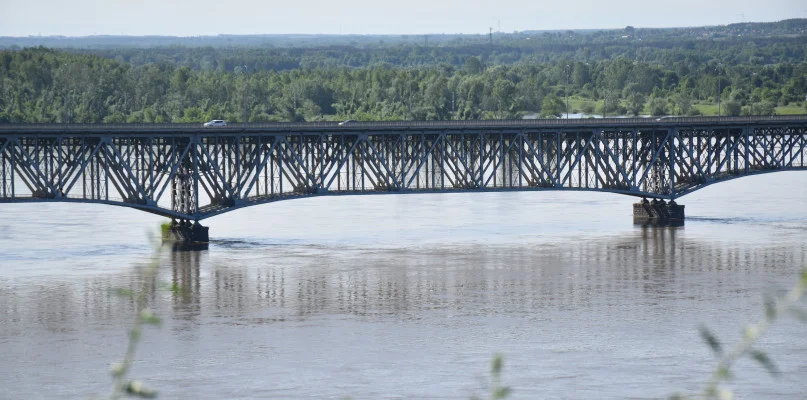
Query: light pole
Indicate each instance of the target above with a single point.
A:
(717, 69)
(566, 90)
(246, 93)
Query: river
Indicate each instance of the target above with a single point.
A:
(408, 296)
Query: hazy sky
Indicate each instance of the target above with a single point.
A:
(212, 17)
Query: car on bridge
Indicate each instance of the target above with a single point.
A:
(214, 123)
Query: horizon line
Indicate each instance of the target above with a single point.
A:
(157, 35)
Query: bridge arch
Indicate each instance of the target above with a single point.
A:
(202, 172)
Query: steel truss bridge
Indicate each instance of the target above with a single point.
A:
(191, 173)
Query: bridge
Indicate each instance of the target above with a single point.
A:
(189, 173)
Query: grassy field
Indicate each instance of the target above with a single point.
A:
(790, 109)
(576, 104)
(707, 109)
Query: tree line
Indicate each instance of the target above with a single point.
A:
(462, 82)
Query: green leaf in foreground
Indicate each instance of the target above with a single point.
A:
(136, 388)
(770, 308)
(121, 292)
(765, 361)
(148, 317)
(711, 340)
(799, 313)
(496, 365)
(501, 393)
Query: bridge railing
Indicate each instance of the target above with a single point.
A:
(560, 122)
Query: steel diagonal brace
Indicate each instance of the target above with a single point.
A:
(774, 140)
(729, 151)
(177, 162)
(129, 176)
(802, 146)
(373, 165)
(332, 161)
(593, 163)
(577, 160)
(561, 155)
(399, 158)
(450, 164)
(717, 150)
(68, 166)
(795, 141)
(294, 165)
(232, 168)
(159, 176)
(785, 149)
(499, 144)
(501, 156)
(528, 161)
(489, 158)
(218, 176)
(36, 177)
(383, 162)
(423, 160)
(543, 170)
(253, 162)
(115, 177)
(601, 159)
(342, 162)
(217, 166)
(261, 166)
(113, 170)
(399, 145)
(290, 171)
(615, 159)
(451, 167)
(653, 160)
(478, 159)
(408, 158)
(22, 172)
(565, 155)
(369, 168)
(761, 156)
(308, 175)
(82, 167)
(245, 168)
(693, 160)
(466, 171)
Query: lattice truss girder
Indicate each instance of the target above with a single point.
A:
(210, 173)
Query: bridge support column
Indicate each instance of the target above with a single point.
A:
(185, 231)
(658, 212)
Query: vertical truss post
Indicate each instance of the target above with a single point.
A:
(185, 199)
(672, 133)
(5, 171)
(746, 145)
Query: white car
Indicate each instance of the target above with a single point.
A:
(214, 123)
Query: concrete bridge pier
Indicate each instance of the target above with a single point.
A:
(658, 212)
(183, 231)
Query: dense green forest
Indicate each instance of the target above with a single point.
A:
(755, 69)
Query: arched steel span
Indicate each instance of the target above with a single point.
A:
(191, 173)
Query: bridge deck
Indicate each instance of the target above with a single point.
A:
(394, 127)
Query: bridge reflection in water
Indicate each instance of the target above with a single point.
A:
(189, 173)
(305, 282)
